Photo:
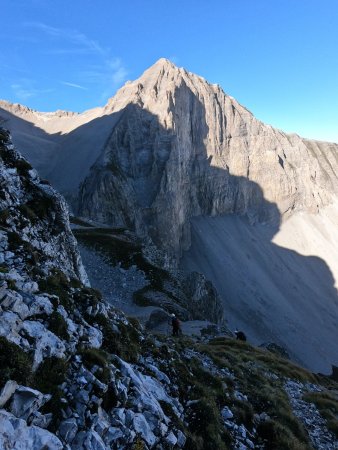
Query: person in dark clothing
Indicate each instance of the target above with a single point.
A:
(240, 336)
(175, 323)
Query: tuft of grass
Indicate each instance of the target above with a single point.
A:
(50, 374)
(14, 240)
(58, 325)
(205, 422)
(3, 268)
(15, 364)
(41, 207)
(98, 357)
(86, 297)
(205, 429)
(109, 399)
(58, 284)
(11, 285)
(280, 437)
(237, 352)
(169, 412)
(22, 167)
(123, 342)
(48, 377)
(138, 444)
(94, 356)
(28, 213)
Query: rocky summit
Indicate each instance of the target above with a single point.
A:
(76, 373)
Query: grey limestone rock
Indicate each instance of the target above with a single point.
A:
(15, 434)
(7, 391)
(68, 429)
(226, 413)
(26, 401)
(142, 427)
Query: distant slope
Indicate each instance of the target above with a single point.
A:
(272, 293)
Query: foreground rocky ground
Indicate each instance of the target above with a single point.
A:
(76, 373)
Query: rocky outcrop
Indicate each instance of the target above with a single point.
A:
(203, 298)
(34, 219)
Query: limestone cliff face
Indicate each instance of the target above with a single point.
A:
(181, 147)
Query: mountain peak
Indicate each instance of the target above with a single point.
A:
(162, 65)
(164, 62)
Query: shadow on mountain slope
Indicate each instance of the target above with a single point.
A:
(155, 180)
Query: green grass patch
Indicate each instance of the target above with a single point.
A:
(58, 284)
(50, 374)
(3, 268)
(58, 325)
(94, 356)
(251, 367)
(15, 364)
(97, 357)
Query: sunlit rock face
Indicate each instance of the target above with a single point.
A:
(170, 146)
(183, 148)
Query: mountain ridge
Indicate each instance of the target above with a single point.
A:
(170, 148)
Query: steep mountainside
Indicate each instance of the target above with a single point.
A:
(77, 374)
(170, 147)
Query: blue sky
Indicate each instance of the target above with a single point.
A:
(279, 58)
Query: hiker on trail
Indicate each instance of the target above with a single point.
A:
(175, 323)
(240, 336)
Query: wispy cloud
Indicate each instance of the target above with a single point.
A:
(74, 85)
(100, 68)
(71, 36)
(25, 90)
